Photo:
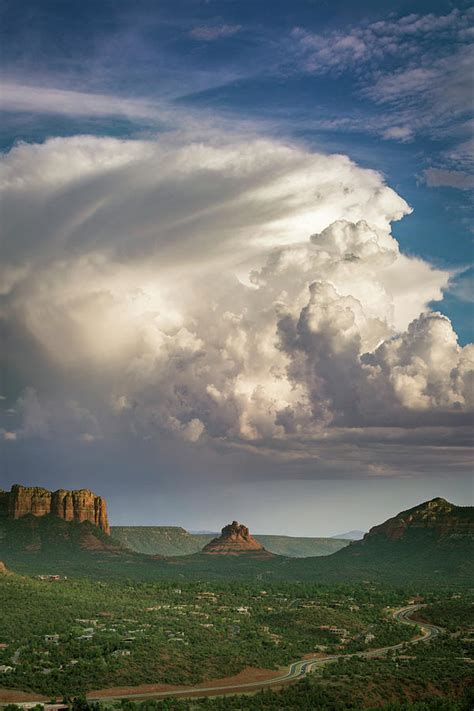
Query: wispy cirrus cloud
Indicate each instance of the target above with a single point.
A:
(353, 47)
(445, 85)
(416, 71)
(43, 99)
(208, 33)
(438, 177)
(463, 153)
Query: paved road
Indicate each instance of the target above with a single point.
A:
(296, 670)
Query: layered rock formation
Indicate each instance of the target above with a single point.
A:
(438, 516)
(80, 505)
(234, 539)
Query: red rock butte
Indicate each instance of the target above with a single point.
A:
(438, 515)
(234, 539)
(79, 505)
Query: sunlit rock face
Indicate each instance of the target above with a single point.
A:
(235, 538)
(438, 516)
(80, 505)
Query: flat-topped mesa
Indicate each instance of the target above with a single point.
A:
(234, 539)
(79, 505)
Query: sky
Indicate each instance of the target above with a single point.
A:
(236, 258)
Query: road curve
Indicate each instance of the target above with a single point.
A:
(296, 670)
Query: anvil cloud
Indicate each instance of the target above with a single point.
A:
(245, 293)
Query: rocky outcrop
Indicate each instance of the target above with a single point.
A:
(234, 539)
(4, 499)
(438, 516)
(80, 505)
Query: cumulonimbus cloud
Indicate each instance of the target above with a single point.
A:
(239, 292)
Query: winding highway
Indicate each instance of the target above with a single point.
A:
(296, 670)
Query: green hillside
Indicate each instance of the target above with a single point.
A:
(430, 544)
(436, 564)
(53, 535)
(159, 540)
(176, 541)
(420, 557)
(295, 547)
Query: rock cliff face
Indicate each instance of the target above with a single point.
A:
(80, 505)
(438, 516)
(234, 539)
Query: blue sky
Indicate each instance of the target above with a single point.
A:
(115, 233)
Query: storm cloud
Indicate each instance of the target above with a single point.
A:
(239, 295)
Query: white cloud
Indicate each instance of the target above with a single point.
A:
(425, 367)
(87, 438)
(172, 286)
(398, 133)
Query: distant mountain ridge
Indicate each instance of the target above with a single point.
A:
(350, 536)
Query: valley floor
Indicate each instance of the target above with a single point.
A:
(136, 641)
